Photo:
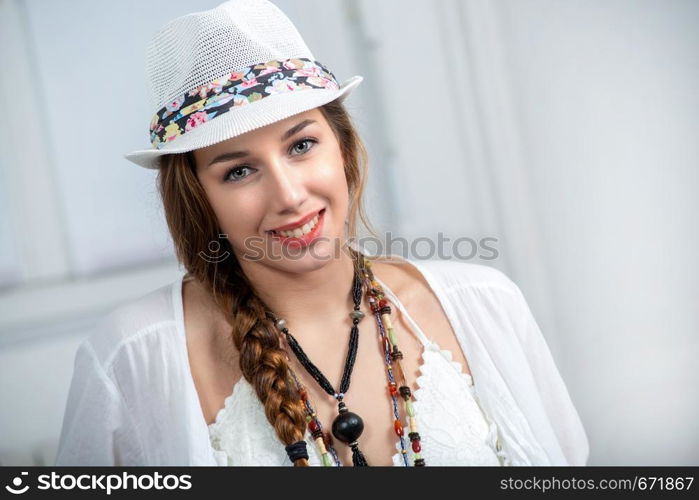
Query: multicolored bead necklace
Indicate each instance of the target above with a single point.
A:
(392, 356)
(348, 425)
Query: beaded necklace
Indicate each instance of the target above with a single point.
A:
(347, 426)
(397, 384)
(392, 356)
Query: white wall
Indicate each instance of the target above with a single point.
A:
(607, 97)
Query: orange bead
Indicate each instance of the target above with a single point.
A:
(313, 425)
(392, 388)
(398, 427)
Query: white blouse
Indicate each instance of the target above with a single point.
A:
(453, 428)
(133, 401)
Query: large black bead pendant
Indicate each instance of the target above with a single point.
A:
(347, 426)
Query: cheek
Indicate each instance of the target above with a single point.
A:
(236, 214)
(329, 175)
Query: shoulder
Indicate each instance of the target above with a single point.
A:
(446, 276)
(132, 321)
(466, 292)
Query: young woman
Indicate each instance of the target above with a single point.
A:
(289, 345)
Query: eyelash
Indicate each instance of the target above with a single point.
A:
(244, 165)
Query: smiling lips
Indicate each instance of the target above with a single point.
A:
(299, 228)
(304, 232)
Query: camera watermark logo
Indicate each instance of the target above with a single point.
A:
(16, 488)
(107, 483)
(213, 254)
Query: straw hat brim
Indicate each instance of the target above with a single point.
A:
(244, 119)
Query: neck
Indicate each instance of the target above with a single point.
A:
(305, 298)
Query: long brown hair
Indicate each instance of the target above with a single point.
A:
(193, 226)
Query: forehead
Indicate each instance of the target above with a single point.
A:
(273, 132)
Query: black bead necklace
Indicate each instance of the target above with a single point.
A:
(347, 426)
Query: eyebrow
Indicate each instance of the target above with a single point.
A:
(234, 155)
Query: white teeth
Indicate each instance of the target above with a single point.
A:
(296, 233)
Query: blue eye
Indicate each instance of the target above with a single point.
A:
(307, 140)
(238, 168)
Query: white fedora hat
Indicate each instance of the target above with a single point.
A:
(217, 74)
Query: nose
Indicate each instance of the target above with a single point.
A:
(286, 188)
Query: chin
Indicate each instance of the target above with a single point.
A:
(316, 256)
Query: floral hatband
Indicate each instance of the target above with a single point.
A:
(240, 88)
